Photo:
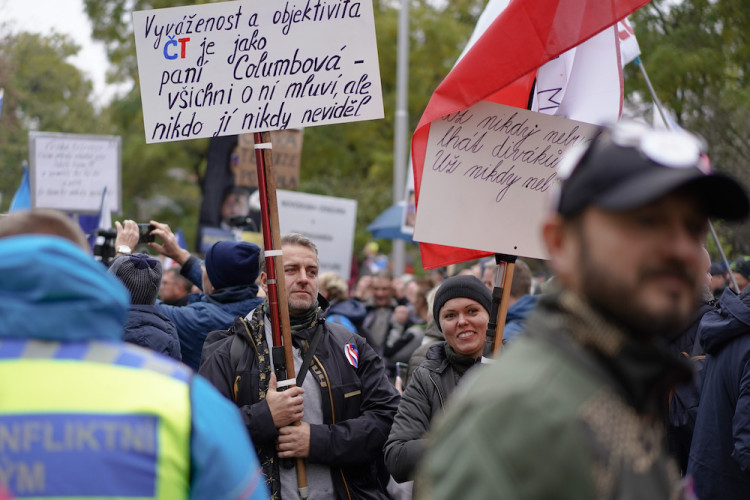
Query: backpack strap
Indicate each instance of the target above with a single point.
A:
(309, 355)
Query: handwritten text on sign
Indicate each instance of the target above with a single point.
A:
(488, 174)
(248, 66)
(70, 171)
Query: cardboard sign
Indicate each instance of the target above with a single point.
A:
(248, 66)
(488, 175)
(287, 152)
(326, 220)
(68, 172)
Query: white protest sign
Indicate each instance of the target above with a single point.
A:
(329, 222)
(68, 172)
(251, 66)
(488, 174)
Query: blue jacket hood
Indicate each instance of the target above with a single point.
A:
(351, 308)
(51, 290)
(720, 326)
(522, 308)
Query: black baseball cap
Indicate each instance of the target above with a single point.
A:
(628, 165)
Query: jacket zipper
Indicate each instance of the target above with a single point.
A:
(333, 416)
(437, 389)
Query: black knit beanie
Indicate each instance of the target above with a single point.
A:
(140, 274)
(461, 286)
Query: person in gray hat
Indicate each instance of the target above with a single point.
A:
(145, 326)
(573, 409)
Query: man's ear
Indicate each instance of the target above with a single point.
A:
(263, 282)
(562, 245)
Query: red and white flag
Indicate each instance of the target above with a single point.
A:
(513, 39)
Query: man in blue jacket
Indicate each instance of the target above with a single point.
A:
(227, 278)
(84, 414)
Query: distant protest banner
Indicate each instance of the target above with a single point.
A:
(287, 154)
(488, 175)
(326, 220)
(69, 172)
(230, 68)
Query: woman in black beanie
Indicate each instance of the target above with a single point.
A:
(462, 312)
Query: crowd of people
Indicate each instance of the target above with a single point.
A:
(133, 379)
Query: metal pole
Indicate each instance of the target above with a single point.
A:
(401, 128)
(663, 115)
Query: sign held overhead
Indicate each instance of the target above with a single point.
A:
(488, 175)
(249, 66)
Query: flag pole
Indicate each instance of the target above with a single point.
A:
(500, 298)
(281, 353)
(638, 62)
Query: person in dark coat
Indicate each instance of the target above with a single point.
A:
(227, 278)
(145, 325)
(720, 451)
(345, 404)
(462, 312)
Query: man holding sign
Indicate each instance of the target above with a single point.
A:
(573, 409)
(345, 403)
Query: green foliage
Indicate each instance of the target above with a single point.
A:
(42, 92)
(696, 53)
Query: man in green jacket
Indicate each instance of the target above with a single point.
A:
(572, 409)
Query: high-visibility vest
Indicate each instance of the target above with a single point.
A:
(93, 419)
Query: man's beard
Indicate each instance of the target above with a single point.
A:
(300, 305)
(620, 301)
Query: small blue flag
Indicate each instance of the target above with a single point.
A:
(22, 198)
(181, 239)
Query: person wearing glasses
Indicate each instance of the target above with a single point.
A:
(573, 409)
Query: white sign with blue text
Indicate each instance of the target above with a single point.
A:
(252, 66)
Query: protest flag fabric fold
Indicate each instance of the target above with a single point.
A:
(501, 67)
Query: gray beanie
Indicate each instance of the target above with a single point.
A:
(140, 274)
(461, 286)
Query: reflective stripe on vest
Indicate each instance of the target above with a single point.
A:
(93, 419)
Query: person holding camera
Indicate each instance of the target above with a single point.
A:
(226, 277)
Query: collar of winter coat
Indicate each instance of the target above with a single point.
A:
(643, 371)
(233, 294)
(51, 290)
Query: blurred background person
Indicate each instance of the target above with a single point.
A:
(343, 310)
(741, 270)
(401, 341)
(174, 288)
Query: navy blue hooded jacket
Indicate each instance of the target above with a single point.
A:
(148, 328)
(720, 450)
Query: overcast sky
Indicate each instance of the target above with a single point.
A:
(63, 16)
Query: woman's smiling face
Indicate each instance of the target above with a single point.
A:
(464, 323)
